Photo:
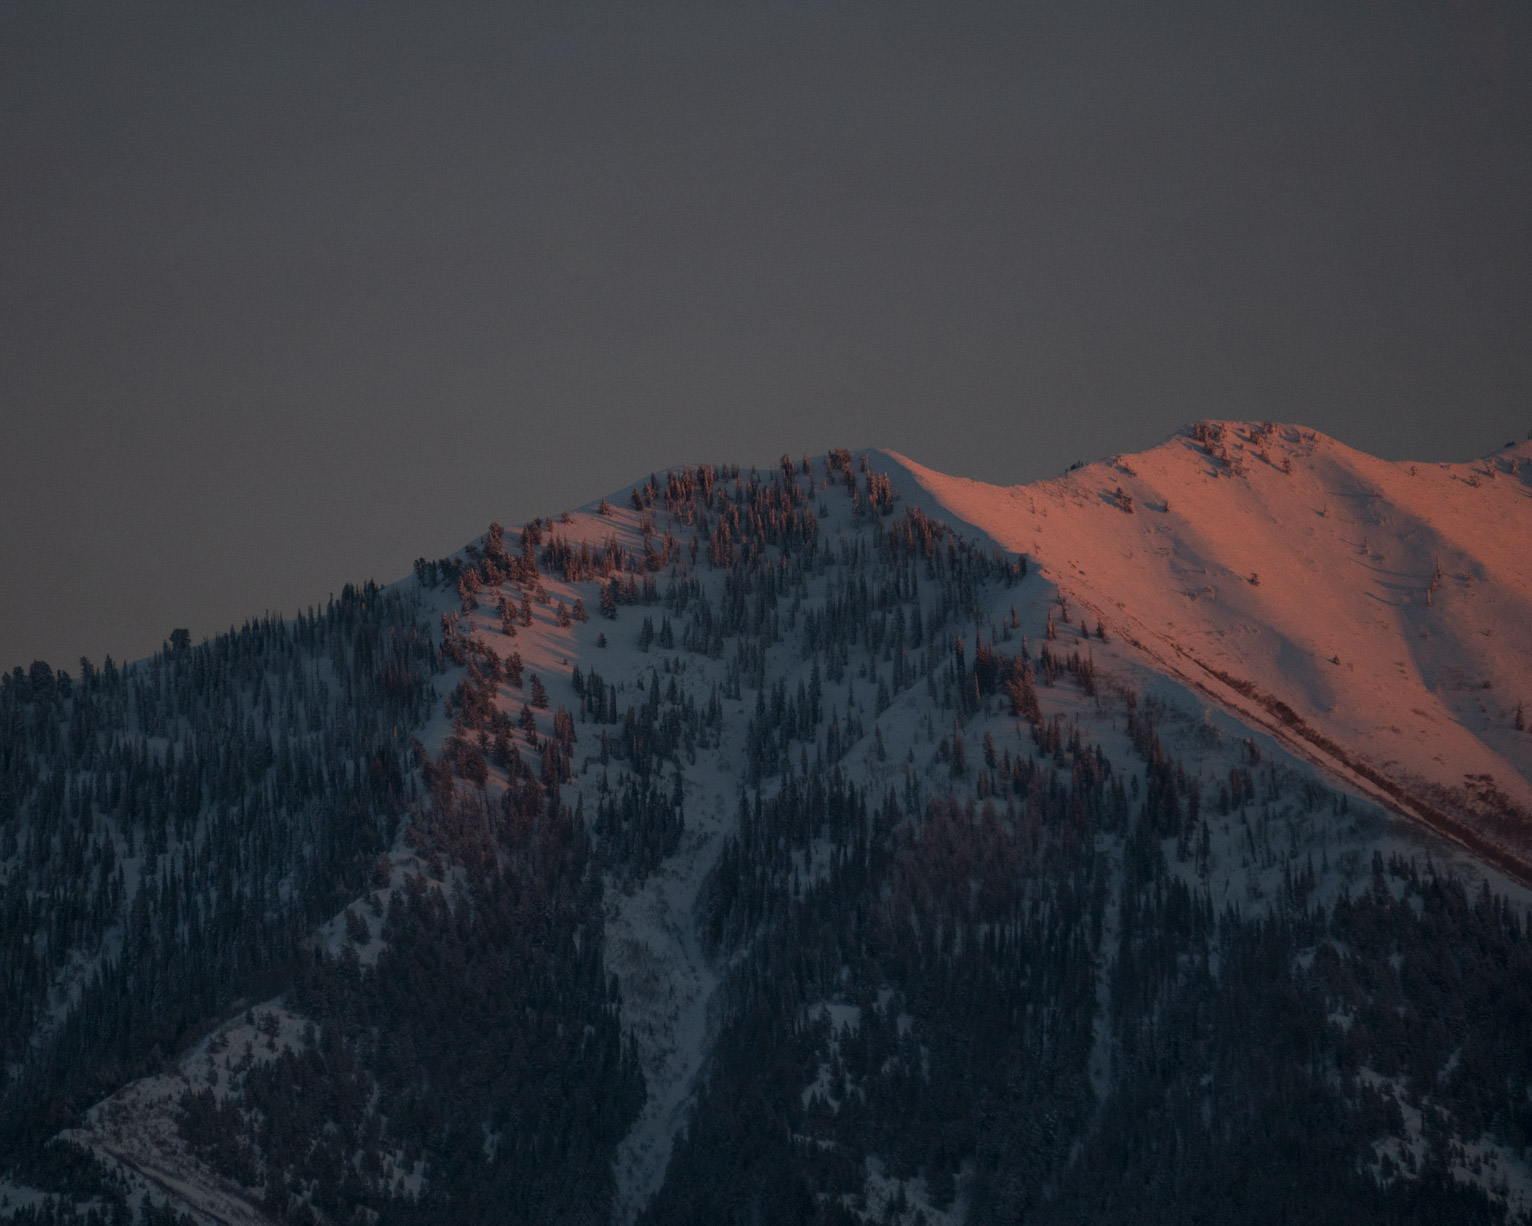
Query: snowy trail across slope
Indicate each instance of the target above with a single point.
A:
(667, 985)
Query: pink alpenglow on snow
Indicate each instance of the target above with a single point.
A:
(1375, 616)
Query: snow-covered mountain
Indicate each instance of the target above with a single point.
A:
(1376, 617)
(836, 842)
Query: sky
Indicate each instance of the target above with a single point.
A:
(292, 294)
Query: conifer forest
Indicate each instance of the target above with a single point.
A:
(752, 847)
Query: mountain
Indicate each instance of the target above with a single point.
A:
(838, 842)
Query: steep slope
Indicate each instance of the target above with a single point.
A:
(1375, 616)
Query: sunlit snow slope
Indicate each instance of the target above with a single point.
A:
(1376, 616)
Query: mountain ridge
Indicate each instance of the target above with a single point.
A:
(1349, 615)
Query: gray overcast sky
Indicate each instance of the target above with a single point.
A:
(292, 294)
